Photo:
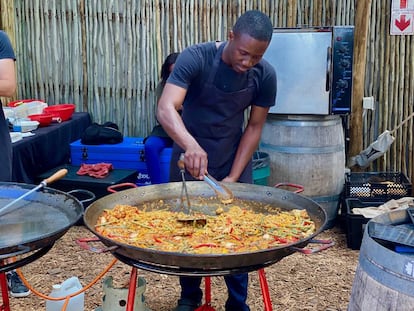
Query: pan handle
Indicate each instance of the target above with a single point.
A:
(325, 244)
(91, 195)
(83, 243)
(299, 187)
(26, 260)
(114, 188)
(22, 250)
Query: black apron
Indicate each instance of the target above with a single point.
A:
(215, 119)
(7, 152)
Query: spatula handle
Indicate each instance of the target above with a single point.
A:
(56, 176)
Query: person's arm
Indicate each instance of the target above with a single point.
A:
(8, 81)
(249, 142)
(171, 100)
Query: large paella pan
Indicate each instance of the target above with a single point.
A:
(35, 223)
(203, 264)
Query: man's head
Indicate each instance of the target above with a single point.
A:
(248, 41)
(255, 24)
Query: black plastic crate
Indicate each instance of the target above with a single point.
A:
(377, 186)
(355, 224)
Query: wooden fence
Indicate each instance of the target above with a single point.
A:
(105, 55)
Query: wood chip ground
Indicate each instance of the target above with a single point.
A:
(320, 281)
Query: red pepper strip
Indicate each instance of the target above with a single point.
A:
(281, 240)
(113, 236)
(235, 237)
(205, 245)
(157, 239)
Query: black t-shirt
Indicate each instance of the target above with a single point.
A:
(192, 69)
(6, 51)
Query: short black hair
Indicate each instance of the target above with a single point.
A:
(165, 68)
(255, 24)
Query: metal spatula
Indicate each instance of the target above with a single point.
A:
(56, 176)
(223, 193)
(181, 166)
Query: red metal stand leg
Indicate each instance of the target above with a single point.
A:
(208, 290)
(265, 291)
(132, 289)
(4, 293)
(207, 306)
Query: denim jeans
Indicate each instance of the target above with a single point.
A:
(237, 285)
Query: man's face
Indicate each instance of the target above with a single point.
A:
(244, 52)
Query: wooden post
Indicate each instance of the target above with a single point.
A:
(362, 18)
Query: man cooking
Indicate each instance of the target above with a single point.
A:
(215, 82)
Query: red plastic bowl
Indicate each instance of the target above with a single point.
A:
(63, 111)
(16, 103)
(44, 119)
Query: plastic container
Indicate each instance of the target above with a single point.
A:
(62, 111)
(355, 224)
(165, 159)
(44, 119)
(261, 168)
(377, 186)
(128, 155)
(68, 287)
(25, 126)
(27, 108)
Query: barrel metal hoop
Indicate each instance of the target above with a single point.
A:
(305, 123)
(372, 261)
(393, 284)
(325, 199)
(304, 150)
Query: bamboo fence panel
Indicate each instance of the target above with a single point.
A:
(105, 56)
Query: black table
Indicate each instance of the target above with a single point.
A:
(48, 148)
(98, 186)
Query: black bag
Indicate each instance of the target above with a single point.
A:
(98, 134)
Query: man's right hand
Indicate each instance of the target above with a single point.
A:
(195, 161)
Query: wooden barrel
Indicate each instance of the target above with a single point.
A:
(384, 279)
(309, 151)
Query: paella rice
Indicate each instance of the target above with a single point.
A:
(234, 229)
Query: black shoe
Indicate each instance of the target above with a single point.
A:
(186, 305)
(16, 287)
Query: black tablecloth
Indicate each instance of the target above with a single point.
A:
(48, 148)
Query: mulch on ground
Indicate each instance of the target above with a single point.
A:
(320, 281)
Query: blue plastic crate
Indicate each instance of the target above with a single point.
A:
(127, 155)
